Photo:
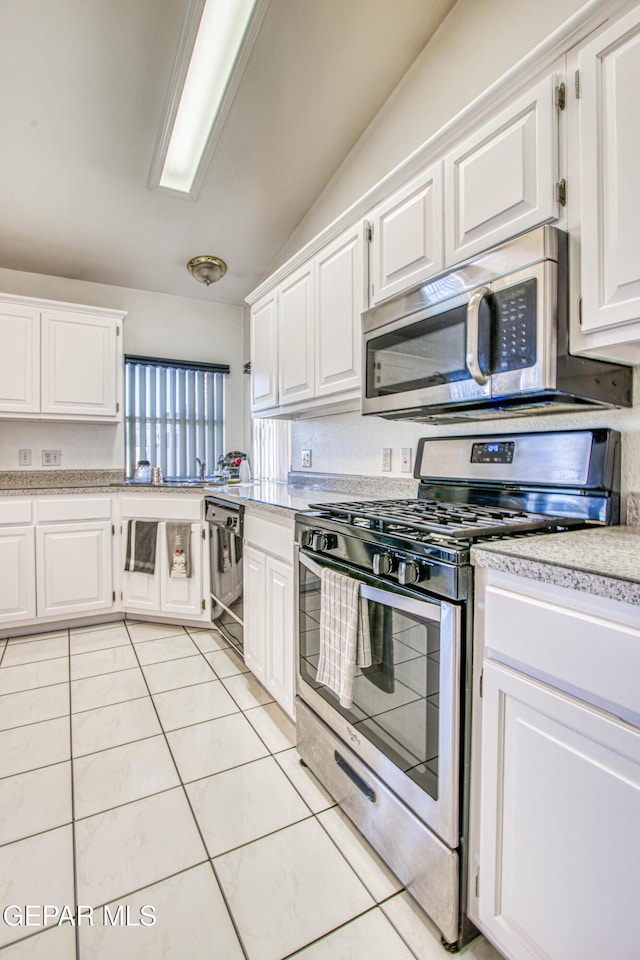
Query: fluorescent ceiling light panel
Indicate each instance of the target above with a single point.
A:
(223, 26)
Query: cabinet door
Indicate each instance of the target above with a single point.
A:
(339, 291)
(296, 337)
(610, 195)
(279, 678)
(17, 574)
(559, 839)
(254, 572)
(502, 180)
(181, 596)
(79, 366)
(74, 568)
(407, 242)
(140, 591)
(264, 353)
(19, 359)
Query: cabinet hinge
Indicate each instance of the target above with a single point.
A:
(117, 331)
(561, 193)
(204, 533)
(204, 604)
(561, 96)
(114, 596)
(117, 408)
(113, 529)
(369, 232)
(478, 884)
(576, 81)
(121, 595)
(481, 684)
(580, 309)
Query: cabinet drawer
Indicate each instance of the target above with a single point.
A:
(583, 653)
(16, 511)
(61, 509)
(158, 507)
(272, 537)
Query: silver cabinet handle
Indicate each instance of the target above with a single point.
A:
(473, 333)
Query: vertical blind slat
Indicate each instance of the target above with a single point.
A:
(172, 416)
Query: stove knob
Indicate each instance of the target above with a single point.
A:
(382, 563)
(409, 572)
(306, 538)
(323, 541)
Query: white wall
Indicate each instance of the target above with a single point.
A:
(157, 325)
(350, 443)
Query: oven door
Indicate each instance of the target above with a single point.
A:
(404, 722)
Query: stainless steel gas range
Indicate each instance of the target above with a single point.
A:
(397, 758)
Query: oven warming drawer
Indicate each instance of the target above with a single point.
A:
(426, 867)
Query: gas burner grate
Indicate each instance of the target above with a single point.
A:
(424, 520)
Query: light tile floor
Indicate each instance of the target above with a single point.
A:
(145, 774)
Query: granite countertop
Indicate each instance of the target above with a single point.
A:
(282, 499)
(604, 561)
(286, 499)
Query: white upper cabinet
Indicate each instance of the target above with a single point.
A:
(305, 334)
(59, 362)
(264, 353)
(339, 302)
(19, 359)
(79, 365)
(295, 337)
(502, 179)
(609, 140)
(406, 244)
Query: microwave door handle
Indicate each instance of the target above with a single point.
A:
(473, 334)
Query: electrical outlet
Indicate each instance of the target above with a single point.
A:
(386, 459)
(306, 458)
(51, 458)
(405, 460)
(24, 458)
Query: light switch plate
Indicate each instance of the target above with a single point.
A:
(51, 458)
(386, 459)
(306, 458)
(405, 460)
(24, 458)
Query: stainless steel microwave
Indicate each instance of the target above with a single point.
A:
(487, 338)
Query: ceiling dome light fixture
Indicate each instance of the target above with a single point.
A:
(207, 269)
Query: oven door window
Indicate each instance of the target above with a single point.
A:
(396, 700)
(425, 353)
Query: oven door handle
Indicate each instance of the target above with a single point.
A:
(473, 336)
(425, 608)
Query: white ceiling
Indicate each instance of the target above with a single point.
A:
(82, 90)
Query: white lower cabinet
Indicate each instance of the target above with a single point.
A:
(269, 647)
(557, 846)
(560, 846)
(74, 568)
(17, 574)
(158, 593)
(254, 580)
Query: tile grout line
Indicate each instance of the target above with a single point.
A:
(74, 859)
(195, 819)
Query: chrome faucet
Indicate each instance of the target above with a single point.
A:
(200, 468)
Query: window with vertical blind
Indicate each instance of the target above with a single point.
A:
(174, 412)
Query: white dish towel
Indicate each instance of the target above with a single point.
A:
(344, 634)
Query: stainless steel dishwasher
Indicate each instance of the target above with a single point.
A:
(226, 521)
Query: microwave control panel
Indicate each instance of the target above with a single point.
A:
(515, 342)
